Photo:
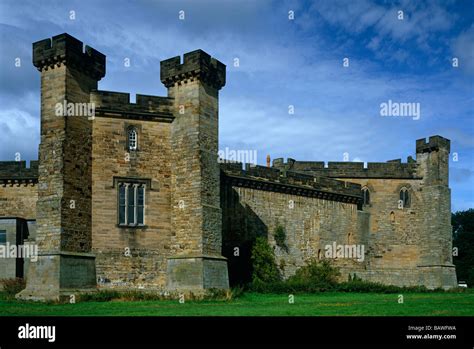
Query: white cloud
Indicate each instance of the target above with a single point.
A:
(463, 49)
(20, 134)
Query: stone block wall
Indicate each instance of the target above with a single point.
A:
(18, 200)
(310, 223)
(407, 245)
(150, 245)
(196, 209)
(196, 213)
(18, 189)
(69, 72)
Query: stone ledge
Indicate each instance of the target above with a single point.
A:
(348, 196)
(198, 256)
(67, 253)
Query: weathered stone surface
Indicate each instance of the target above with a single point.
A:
(196, 210)
(196, 213)
(64, 217)
(197, 273)
(149, 245)
(404, 246)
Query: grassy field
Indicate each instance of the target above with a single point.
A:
(253, 304)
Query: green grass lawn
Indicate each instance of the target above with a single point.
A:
(253, 304)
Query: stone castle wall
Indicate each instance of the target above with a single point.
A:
(18, 189)
(69, 72)
(196, 209)
(404, 245)
(196, 215)
(310, 224)
(149, 246)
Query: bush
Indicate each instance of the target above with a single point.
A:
(12, 286)
(463, 240)
(321, 276)
(264, 266)
(280, 237)
(320, 273)
(313, 277)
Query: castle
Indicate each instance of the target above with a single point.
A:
(134, 196)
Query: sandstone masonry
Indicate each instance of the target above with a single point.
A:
(134, 197)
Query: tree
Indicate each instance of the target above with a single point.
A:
(264, 266)
(463, 240)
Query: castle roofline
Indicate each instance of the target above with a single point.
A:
(118, 105)
(290, 182)
(16, 173)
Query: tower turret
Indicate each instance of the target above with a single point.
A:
(436, 261)
(64, 236)
(196, 214)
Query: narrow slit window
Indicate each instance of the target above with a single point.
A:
(366, 195)
(122, 204)
(405, 197)
(131, 205)
(140, 204)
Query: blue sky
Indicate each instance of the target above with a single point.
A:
(282, 62)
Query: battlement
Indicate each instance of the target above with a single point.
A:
(65, 49)
(15, 172)
(334, 169)
(433, 144)
(273, 179)
(395, 169)
(119, 103)
(197, 65)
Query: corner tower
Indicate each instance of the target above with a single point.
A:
(436, 259)
(196, 214)
(64, 237)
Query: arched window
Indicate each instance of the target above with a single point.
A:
(132, 139)
(366, 195)
(404, 197)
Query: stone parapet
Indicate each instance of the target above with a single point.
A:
(118, 104)
(272, 179)
(65, 49)
(390, 169)
(197, 65)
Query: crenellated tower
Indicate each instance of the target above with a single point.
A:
(196, 214)
(436, 260)
(64, 236)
